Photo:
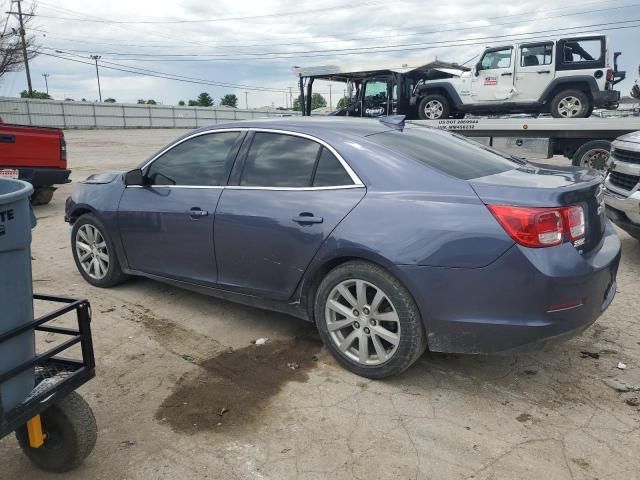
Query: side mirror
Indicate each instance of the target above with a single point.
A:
(134, 177)
(477, 68)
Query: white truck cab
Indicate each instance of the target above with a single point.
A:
(566, 77)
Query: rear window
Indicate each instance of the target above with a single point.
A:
(451, 154)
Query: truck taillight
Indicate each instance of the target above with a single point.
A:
(540, 227)
(63, 150)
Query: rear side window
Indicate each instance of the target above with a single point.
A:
(330, 172)
(456, 156)
(277, 160)
(204, 160)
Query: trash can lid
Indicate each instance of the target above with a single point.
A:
(14, 190)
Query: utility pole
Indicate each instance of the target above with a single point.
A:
(46, 84)
(246, 100)
(96, 58)
(24, 48)
(330, 100)
(290, 99)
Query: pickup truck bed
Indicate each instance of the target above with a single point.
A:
(37, 155)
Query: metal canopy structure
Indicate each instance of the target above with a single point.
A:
(353, 71)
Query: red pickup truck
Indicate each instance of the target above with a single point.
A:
(36, 155)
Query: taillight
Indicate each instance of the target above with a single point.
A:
(63, 150)
(540, 227)
(609, 75)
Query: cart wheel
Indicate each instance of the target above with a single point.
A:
(71, 434)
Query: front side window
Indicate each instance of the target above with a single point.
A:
(376, 92)
(496, 59)
(533, 55)
(277, 160)
(204, 160)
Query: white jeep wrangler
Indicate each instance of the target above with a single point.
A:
(567, 77)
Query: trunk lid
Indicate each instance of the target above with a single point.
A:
(534, 185)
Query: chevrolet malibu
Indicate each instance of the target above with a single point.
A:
(391, 238)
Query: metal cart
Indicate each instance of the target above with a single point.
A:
(54, 426)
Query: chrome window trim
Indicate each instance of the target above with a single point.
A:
(357, 183)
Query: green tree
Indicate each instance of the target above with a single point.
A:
(141, 101)
(317, 101)
(151, 102)
(343, 102)
(193, 103)
(205, 100)
(110, 100)
(230, 100)
(35, 94)
(181, 103)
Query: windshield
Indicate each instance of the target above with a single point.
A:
(449, 153)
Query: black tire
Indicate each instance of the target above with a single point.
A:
(71, 433)
(593, 154)
(446, 108)
(42, 195)
(114, 274)
(412, 340)
(581, 111)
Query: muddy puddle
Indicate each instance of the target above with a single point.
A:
(234, 387)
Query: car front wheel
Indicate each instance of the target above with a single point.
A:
(434, 107)
(94, 252)
(368, 320)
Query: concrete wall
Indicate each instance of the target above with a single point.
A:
(87, 115)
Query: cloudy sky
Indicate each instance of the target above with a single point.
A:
(250, 46)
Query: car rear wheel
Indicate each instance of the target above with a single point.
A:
(593, 154)
(570, 104)
(94, 252)
(368, 320)
(434, 107)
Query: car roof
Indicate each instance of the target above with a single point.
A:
(322, 127)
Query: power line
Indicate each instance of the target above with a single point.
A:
(167, 76)
(357, 50)
(223, 19)
(356, 38)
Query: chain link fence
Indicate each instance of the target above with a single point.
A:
(88, 115)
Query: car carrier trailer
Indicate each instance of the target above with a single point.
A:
(586, 141)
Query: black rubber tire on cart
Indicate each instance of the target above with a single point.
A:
(410, 336)
(71, 433)
(42, 195)
(593, 154)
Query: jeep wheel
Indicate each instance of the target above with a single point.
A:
(434, 107)
(570, 104)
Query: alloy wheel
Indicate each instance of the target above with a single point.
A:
(92, 251)
(596, 158)
(569, 106)
(362, 322)
(433, 110)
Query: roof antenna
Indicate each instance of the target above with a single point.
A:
(394, 121)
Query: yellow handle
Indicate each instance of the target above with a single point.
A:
(34, 431)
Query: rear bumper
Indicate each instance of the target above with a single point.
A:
(44, 177)
(606, 98)
(516, 303)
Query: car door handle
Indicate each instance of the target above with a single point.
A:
(7, 139)
(197, 212)
(506, 74)
(544, 71)
(307, 218)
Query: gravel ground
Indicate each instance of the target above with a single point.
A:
(181, 393)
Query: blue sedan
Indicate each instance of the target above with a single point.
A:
(391, 238)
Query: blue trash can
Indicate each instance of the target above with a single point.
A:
(16, 290)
